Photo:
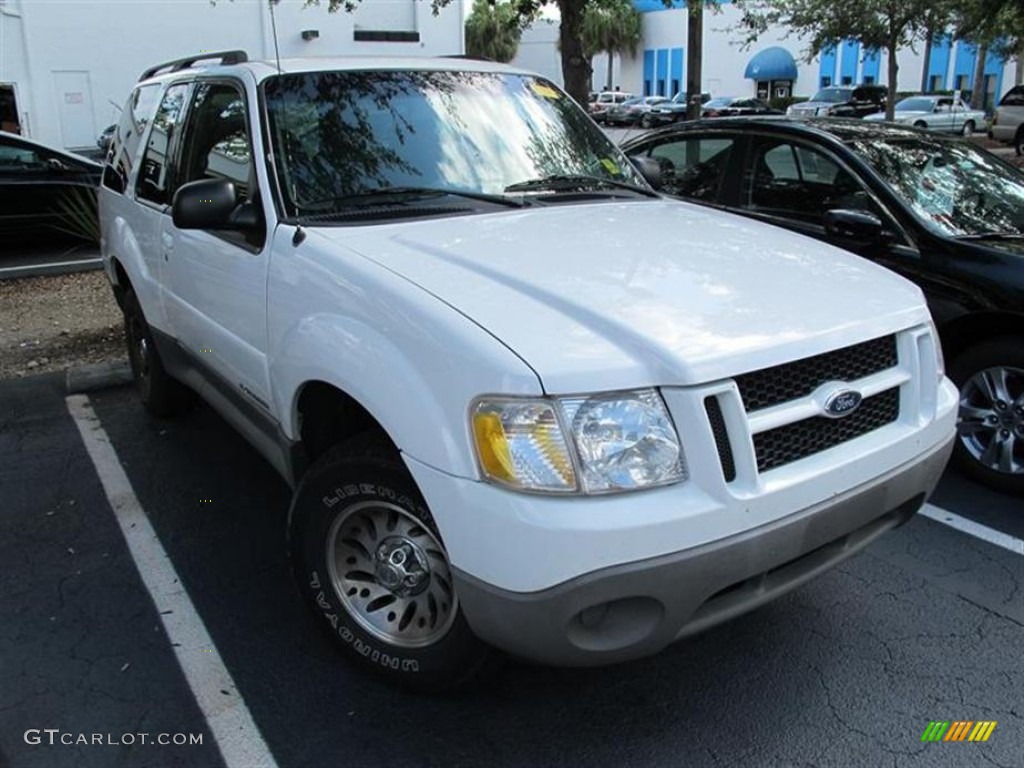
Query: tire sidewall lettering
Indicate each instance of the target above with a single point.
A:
(348, 636)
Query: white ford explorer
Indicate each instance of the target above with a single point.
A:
(525, 402)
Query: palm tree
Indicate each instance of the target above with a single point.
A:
(493, 31)
(612, 26)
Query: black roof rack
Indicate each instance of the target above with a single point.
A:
(226, 57)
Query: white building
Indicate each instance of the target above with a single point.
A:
(66, 66)
(772, 66)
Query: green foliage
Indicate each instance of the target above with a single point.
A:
(79, 213)
(493, 31)
(612, 26)
(784, 102)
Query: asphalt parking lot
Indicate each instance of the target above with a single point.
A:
(849, 670)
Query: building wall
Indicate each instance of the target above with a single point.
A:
(725, 60)
(538, 50)
(80, 58)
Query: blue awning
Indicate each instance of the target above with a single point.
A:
(773, 63)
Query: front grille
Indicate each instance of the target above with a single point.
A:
(771, 386)
(725, 458)
(800, 439)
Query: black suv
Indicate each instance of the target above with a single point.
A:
(940, 211)
(843, 101)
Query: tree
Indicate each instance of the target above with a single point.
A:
(993, 28)
(493, 31)
(611, 26)
(935, 22)
(888, 24)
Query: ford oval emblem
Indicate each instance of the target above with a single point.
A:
(842, 403)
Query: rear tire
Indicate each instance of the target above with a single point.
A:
(1018, 141)
(990, 431)
(645, 121)
(161, 394)
(920, 124)
(368, 557)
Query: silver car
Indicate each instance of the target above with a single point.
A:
(1008, 123)
(943, 114)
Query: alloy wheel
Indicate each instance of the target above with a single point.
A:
(391, 574)
(991, 424)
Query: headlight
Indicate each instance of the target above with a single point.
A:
(610, 442)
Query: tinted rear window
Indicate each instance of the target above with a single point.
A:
(135, 116)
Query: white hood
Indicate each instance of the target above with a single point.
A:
(618, 295)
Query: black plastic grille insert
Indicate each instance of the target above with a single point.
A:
(714, 412)
(782, 383)
(800, 439)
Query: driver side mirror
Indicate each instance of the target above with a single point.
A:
(857, 227)
(649, 168)
(212, 204)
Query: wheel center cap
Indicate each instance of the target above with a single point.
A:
(401, 566)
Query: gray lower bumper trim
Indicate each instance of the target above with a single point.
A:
(636, 609)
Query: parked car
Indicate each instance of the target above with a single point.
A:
(605, 101)
(1008, 121)
(104, 139)
(671, 111)
(505, 424)
(731, 106)
(842, 101)
(45, 193)
(939, 211)
(630, 112)
(943, 114)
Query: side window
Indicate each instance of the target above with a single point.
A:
(694, 167)
(15, 159)
(125, 145)
(155, 175)
(217, 139)
(1014, 97)
(801, 183)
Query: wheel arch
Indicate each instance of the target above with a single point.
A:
(325, 415)
(960, 333)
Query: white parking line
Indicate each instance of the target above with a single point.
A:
(238, 739)
(971, 528)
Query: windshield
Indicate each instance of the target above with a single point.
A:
(953, 188)
(337, 135)
(833, 95)
(915, 105)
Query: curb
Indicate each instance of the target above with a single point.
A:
(50, 268)
(89, 378)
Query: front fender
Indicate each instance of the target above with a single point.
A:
(369, 368)
(411, 360)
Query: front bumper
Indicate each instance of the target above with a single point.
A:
(636, 609)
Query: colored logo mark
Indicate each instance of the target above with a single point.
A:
(958, 730)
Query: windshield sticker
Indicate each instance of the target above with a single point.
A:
(610, 166)
(544, 90)
(935, 196)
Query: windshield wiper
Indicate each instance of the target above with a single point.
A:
(560, 181)
(992, 236)
(372, 196)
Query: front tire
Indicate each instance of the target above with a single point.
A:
(968, 129)
(161, 394)
(645, 121)
(990, 431)
(1018, 142)
(369, 558)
